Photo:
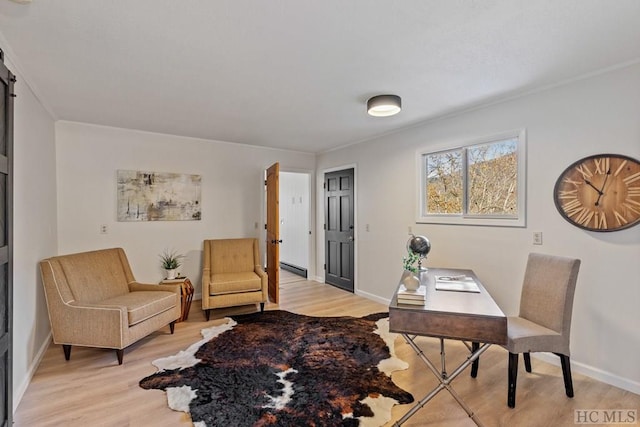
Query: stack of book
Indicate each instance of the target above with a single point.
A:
(417, 297)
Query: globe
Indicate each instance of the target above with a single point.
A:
(419, 245)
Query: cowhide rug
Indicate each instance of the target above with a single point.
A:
(283, 369)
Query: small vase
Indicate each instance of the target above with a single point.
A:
(171, 274)
(410, 281)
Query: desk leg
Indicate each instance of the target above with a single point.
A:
(445, 380)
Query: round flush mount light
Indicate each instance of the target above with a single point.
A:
(384, 105)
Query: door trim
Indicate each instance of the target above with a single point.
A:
(320, 231)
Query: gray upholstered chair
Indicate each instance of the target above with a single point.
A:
(232, 274)
(544, 322)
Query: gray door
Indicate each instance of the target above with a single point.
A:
(6, 155)
(339, 232)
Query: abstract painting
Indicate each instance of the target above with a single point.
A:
(158, 196)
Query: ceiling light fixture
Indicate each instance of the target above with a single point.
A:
(384, 105)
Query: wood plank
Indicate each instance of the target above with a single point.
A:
(91, 389)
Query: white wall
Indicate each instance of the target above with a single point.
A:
(294, 218)
(35, 237)
(232, 192)
(594, 115)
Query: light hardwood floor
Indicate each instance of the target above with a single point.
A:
(93, 390)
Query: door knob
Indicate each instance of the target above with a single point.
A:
(351, 238)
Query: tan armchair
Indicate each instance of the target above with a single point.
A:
(232, 274)
(94, 301)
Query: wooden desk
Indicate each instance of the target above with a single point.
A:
(464, 316)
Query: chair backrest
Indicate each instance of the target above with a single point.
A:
(548, 290)
(88, 277)
(231, 255)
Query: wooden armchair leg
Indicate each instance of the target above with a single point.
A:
(261, 307)
(513, 376)
(207, 314)
(67, 351)
(566, 373)
(120, 354)
(527, 361)
(172, 326)
(474, 366)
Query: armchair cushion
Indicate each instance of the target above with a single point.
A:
(142, 305)
(226, 283)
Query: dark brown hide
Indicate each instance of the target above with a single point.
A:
(335, 359)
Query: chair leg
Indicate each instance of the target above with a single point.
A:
(172, 326)
(120, 354)
(566, 373)
(261, 307)
(474, 366)
(527, 361)
(67, 351)
(513, 376)
(207, 314)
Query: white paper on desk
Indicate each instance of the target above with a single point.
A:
(466, 284)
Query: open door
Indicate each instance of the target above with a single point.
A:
(273, 231)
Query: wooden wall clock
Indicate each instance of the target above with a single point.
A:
(600, 192)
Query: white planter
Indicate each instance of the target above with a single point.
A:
(410, 281)
(171, 274)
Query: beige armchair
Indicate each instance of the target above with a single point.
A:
(232, 274)
(94, 301)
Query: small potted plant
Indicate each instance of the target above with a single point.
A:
(170, 261)
(409, 278)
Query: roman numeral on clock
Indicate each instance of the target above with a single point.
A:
(633, 192)
(600, 221)
(569, 194)
(624, 162)
(602, 165)
(584, 171)
(631, 178)
(619, 218)
(572, 207)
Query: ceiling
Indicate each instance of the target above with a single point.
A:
(296, 74)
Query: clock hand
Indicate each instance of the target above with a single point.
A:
(592, 186)
(600, 193)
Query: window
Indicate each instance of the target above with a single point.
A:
(481, 183)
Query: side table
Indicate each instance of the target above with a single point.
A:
(186, 290)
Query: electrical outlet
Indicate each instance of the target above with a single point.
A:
(410, 230)
(104, 229)
(537, 237)
(366, 227)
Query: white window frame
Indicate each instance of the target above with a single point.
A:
(517, 220)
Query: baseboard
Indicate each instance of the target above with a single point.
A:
(373, 297)
(294, 269)
(591, 372)
(17, 395)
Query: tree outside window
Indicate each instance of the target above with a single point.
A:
(481, 183)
